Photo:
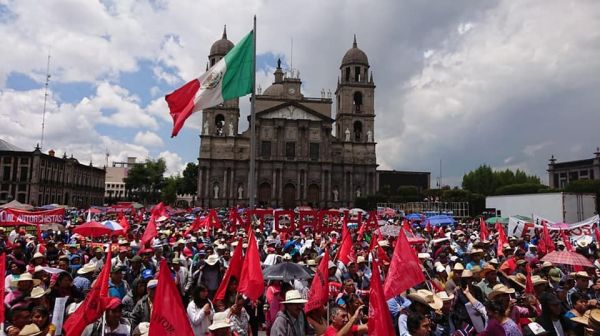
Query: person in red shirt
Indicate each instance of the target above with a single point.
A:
(342, 325)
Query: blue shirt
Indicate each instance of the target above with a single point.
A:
(116, 291)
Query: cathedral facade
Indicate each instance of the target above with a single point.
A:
(304, 155)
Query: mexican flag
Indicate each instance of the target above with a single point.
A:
(231, 77)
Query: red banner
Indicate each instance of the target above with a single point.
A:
(10, 217)
(121, 208)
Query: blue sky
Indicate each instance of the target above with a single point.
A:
(467, 83)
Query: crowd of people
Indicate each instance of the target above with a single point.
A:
(471, 285)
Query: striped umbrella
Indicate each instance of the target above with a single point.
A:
(567, 258)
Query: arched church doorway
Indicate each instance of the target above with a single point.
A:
(289, 196)
(312, 195)
(264, 194)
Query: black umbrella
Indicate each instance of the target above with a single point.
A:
(286, 271)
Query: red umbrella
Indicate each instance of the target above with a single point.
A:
(92, 229)
(567, 258)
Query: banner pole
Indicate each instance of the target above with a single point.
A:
(252, 174)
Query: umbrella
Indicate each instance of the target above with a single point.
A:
(17, 205)
(112, 225)
(567, 258)
(492, 220)
(390, 230)
(413, 216)
(286, 271)
(439, 220)
(356, 211)
(93, 229)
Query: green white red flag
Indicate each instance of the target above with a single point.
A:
(231, 77)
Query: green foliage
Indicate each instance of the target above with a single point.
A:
(189, 180)
(485, 181)
(586, 186)
(520, 188)
(145, 181)
(169, 191)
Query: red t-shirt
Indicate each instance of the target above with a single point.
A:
(331, 331)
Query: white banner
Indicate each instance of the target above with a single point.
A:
(518, 227)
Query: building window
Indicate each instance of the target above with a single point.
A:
(265, 149)
(6, 174)
(25, 161)
(357, 74)
(314, 151)
(290, 150)
(7, 160)
(24, 174)
(347, 74)
(219, 124)
(357, 101)
(357, 130)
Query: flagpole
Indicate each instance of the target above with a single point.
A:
(251, 178)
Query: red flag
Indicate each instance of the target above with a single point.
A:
(93, 305)
(529, 283)
(252, 283)
(483, 232)
(361, 231)
(406, 225)
(405, 269)
(196, 225)
(169, 317)
(346, 252)
(151, 231)
(2, 290)
(319, 288)
(213, 219)
(373, 243)
(234, 270)
(380, 319)
(597, 234)
(124, 223)
(548, 239)
(440, 232)
(382, 255)
(428, 226)
(509, 266)
(502, 239)
(567, 242)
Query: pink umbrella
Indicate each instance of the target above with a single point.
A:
(567, 258)
(92, 229)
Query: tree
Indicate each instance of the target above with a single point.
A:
(485, 181)
(169, 192)
(144, 181)
(586, 186)
(189, 180)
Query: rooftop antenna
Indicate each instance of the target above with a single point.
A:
(45, 101)
(107, 155)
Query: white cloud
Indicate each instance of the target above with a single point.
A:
(148, 138)
(175, 164)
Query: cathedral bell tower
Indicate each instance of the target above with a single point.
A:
(223, 119)
(355, 96)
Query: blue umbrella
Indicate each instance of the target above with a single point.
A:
(413, 216)
(442, 220)
(112, 225)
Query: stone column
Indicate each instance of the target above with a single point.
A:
(322, 185)
(274, 184)
(298, 185)
(199, 191)
(329, 191)
(232, 189)
(305, 184)
(224, 184)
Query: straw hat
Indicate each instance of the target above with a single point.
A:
(537, 280)
(424, 256)
(212, 259)
(152, 284)
(476, 251)
(444, 296)
(360, 259)
(220, 320)
(582, 275)
(554, 274)
(30, 330)
(486, 269)
(458, 267)
(547, 264)
(87, 268)
(584, 241)
(293, 296)
(384, 243)
(38, 255)
(38, 292)
(427, 298)
(500, 289)
(142, 329)
(466, 274)
(519, 279)
(25, 277)
(476, 269)
(494, 261)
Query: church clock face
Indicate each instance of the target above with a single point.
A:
(292, 91)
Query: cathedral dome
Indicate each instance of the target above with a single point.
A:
(274, 90)
(355, 56)
(222, 46)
